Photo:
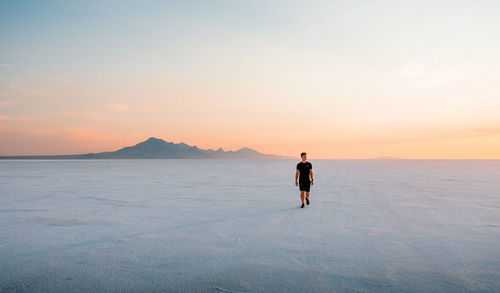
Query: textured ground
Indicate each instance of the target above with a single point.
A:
(235, 226)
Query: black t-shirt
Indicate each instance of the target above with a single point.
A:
(304, 171)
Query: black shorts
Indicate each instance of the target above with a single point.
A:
(305, 185)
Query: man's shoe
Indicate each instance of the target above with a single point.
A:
(302, 206)
(307, 201)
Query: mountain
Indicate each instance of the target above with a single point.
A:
(387, 158)
(155, 148)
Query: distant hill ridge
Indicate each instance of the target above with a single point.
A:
(156, 148)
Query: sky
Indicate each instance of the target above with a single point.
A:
(337, 79)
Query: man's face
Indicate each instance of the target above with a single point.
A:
(304, 157)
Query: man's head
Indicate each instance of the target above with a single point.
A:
(303, 156)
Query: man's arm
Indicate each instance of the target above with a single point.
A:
(312, 176)
(296, 177)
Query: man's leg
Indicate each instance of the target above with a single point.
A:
(307, 196)
(302, 196)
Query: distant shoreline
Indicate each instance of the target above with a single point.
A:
(124, 159)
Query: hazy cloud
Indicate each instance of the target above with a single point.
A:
(421, 76)
(22, 117)
(83, 133)
(50, 76)
(118, 107)
(9, 103)
(25, 91)
(491, 130)
(85, 114)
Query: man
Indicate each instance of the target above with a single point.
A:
(304, 171)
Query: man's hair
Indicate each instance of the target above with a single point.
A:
(303, 154)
